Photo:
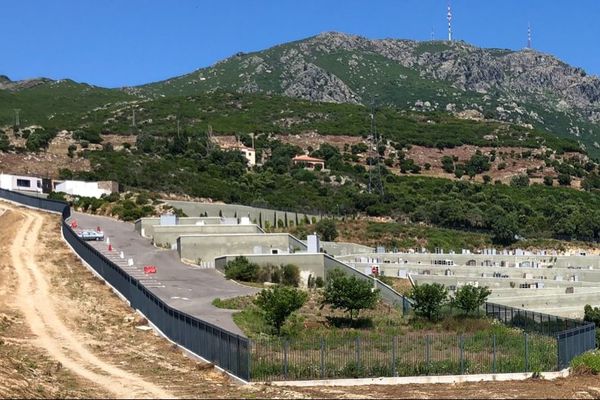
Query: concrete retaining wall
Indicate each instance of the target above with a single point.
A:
(229, 210)
(167, 235)
(344, 249)
(208, 247)
(146, 225)
(478, 259)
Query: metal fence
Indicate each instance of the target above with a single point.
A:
(405, 355)
(227, 350)
(573, 336)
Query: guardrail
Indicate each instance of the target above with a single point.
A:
(225, 349)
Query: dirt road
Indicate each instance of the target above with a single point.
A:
(37, 305)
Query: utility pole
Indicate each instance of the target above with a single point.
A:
(133, 117)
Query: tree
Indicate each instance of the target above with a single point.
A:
(504, 229)
(327, 229)
(487, 179)
(548, 180)
(519, 181)
(428, 299)
(290, 275)
(242, 269)
(469, 298)
(564, 179)
(278, 303)
(349, 293)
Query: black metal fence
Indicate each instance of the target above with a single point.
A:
(227, 350)
(573, 336)
(403, 355)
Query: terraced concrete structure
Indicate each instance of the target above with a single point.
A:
(559, 284)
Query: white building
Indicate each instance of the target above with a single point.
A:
(20, 183)
(87, 189)
(249, 153)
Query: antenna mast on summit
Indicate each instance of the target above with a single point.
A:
(449, 22)
(529, 36)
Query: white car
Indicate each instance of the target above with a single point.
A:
(91, 235)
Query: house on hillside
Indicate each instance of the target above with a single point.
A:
(86, 189)
(309, 162)
(231, 143)
(22, 183)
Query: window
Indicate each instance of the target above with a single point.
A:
(39, 184)
(23, 183)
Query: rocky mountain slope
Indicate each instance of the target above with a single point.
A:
(526, 87)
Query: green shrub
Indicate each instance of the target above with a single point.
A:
(428, 299)
(327, 229)
(242, 269)
(469, 298)
(588, 362)
(278, 303)
(290, 275)
(319, 282)
(349, 293)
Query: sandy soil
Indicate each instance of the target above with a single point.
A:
(64, 334)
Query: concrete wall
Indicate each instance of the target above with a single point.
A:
(208, 247)
(146, 225)
(229, 210)
(536, 274)
(478, 259)
(494, 283)
(167, 235)
(344, 249)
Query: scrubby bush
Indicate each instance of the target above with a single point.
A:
(242, 269)
(349, 293)
(469, 298)
(278, 303)
(587, 363)
(428, 299)
(290, 275)
(327, 229)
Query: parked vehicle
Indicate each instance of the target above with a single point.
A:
(91, 235)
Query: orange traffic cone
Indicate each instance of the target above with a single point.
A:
(109, 247)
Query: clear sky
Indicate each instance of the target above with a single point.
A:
(128, 42)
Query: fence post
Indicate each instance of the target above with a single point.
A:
(357, 347)
(249, 356)
(494, 353)
(322, 358)
(462, 354)
(394, 352)
(526, 352)
(285, 359)
(427, 358)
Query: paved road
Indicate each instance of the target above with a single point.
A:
(183, 287)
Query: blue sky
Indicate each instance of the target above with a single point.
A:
(128, 42)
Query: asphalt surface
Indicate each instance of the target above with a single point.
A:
(184, 287)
